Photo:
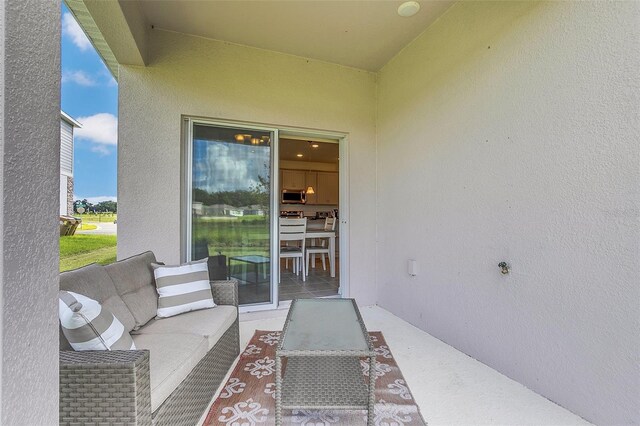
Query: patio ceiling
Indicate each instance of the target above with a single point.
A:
(362, 34)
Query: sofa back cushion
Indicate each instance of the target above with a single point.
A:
(134, 281)
(93, 281)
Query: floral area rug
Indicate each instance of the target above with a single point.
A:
(248, 397)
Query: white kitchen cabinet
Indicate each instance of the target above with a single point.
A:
(293, 179)
(328, 188)
(324, 184)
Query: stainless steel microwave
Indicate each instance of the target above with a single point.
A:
(293, 196)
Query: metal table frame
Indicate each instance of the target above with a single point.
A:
(257, 264)
(324, 379)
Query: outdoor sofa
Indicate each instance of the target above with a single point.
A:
(179, 361)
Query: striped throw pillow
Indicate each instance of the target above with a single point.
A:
(90, 327)
(183, 288)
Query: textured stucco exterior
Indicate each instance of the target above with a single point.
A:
(509, 131)
(194, 76)
(29, 166)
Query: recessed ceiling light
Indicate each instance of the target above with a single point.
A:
(298, 155)
(408, 8)
(314, 145)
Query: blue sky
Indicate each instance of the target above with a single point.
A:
(90, 95)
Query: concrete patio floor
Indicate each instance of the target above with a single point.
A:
(450, 387)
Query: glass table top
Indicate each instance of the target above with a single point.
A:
(324, 325)
(251, 258)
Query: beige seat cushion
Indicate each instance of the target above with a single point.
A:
(209, 323)
(172, 357)
(93, 282)
(133, 278)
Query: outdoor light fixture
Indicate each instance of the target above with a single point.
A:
(310, 190)
(408, 8)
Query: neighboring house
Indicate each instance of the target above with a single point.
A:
(67, 126)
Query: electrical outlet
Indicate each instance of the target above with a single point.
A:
(412, 267)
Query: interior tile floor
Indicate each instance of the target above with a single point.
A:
(450, 387)
(319, 283)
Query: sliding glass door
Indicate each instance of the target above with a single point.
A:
(229, 202)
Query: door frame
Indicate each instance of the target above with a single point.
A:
(277, 131)
(342, 139)
(186, 196)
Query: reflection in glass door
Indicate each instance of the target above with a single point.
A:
(230, 198)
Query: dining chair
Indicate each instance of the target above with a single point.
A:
(323, 247)
(294, 230)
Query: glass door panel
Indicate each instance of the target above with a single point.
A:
(230, 205)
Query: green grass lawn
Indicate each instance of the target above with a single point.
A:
(80, 250)
(231, 236)
(86, 226)
(97, 217)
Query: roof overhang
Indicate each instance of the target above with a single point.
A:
(66, 117)
(117, 29)
(363, 34)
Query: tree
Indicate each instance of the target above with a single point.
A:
(262, 190)
(87, 206)
(106, 206)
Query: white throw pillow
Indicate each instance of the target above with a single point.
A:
(90, 327)
(183, 288)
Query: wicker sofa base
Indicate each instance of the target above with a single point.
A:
(112, 387)
(104, 387)
(188, 402)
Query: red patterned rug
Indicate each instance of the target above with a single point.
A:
(248, 397)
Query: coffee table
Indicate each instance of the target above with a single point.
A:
(321, 346)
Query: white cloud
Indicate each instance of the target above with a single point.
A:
(229, 167)
(101, 149)
(71, 28)
(96, 200)
(101, 128)
(79, 77)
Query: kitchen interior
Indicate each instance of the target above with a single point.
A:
(309, 188)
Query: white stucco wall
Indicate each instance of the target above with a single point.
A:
(509, 131)
(29, 178)
(195, 76)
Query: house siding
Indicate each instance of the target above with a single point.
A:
(66, 148)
